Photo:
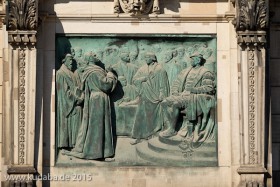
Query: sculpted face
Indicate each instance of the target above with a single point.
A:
(181, 52)
(148, 59)
(167, 56)
(73, 52)
(69, 62)
(195, 61)
(93, 59)
(125, 57)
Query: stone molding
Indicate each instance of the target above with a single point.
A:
(251, 170)
(21, 170)
(24, 38)
(251, 38)
(152, 18)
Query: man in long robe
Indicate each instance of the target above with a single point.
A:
(192, 92)
(69, 96)
(152, 81)
(95, 138)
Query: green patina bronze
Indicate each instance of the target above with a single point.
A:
(159, 91)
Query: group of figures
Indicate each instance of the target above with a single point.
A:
(85, 89)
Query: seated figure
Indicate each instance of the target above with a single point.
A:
(192, 93)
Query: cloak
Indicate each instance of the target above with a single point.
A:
(95, 138)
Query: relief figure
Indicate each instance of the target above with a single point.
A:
(181, 57)
(171, 65)
(152, 81)
(125, 72)
(150, 92)
(192, 93)
(69, 99)
(95, 138)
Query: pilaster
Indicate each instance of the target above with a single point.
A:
(20, 91)
(251, 24)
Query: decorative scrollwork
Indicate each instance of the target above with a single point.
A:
(251, 15)
(21, 107)
(22, 15)
(252, 108)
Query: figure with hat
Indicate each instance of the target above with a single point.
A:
(192, 94)
(69, 97)
(152, 82)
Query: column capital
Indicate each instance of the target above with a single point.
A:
(251, 15)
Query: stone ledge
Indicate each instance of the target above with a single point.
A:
(143, 18)
(251, 170)
(21, 170)
(24, 37)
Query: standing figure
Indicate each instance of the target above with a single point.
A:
(95, 138)
(69, 96)
(152, 81)
(125, 72)
(80, 66)
(171, 65)
(193, 93)
(181, 57)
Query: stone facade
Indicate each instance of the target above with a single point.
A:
(29, 101)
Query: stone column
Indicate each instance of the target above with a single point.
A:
(251, 23)
(19, 92)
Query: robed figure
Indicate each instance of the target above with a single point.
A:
(152, 81)
(125, 72)
(69, 98)
(95, 138)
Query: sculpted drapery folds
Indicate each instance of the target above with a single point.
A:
(125, 97)
(152, 81)
(193, 94)
(69, 98)
(95, 138)
(125, 72)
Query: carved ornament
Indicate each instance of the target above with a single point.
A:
(251, 15)
(22, 15)
(251, 38)
(136, 7)
(22, 37)
(2, 13)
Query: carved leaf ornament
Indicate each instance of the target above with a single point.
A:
(22, 15)
(252, 15)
